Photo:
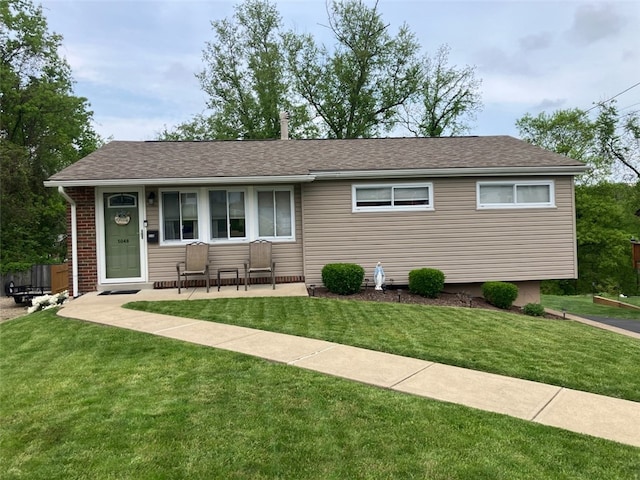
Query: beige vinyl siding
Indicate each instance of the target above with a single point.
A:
(467, 244)
(162, 258)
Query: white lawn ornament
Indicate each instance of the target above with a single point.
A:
(378, 276)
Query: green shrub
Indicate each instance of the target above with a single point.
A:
(533, 309)
(15, 267)
(427, 282)
(342, 278)
(558, 287)
(500, 294)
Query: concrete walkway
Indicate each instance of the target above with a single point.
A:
(582, 412)
(628, 328)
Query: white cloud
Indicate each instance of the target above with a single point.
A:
(135, 60)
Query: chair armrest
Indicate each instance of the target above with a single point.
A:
(178, 265)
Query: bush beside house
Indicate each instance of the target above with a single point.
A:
(427, 282)
(342, 278)
(500, 294)
(533, 309)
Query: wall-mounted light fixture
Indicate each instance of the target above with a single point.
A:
(151, 198)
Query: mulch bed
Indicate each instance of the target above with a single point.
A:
(445, 299)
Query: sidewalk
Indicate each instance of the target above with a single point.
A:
(573, 410)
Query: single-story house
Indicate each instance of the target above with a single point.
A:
(477, 208)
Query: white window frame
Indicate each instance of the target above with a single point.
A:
(251, 214)
(247, 215)
(515, 204)
(255, 219)
(392, 208)
(181, 241)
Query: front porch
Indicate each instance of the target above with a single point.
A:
(196, 292)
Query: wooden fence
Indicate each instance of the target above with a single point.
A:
(59, 277)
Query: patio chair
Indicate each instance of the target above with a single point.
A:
(196, 263)
(260, 261)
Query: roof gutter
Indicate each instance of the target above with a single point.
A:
(326, 175)
(74, 239)
(450, 172)
(261, 179)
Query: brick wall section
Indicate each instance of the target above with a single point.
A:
(87, 251)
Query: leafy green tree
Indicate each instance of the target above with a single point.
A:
(358, 86)
(246, 80)
(447, 100)
(605, 224)
(201, 127)
(43, 128)
(608, 143)
(606, 217)
(568, 132)
(618, 139)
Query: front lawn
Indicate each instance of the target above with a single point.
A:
(583, 305)
(80, 400)
(558, 352)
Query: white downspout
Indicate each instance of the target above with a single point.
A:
(74, 239)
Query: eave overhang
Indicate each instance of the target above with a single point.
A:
(450, 172)
(328, 175)
(255, 180)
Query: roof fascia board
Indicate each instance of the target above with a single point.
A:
(451, 172)
(265, 179)
(327, 175)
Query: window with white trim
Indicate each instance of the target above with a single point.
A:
(228, 214)
(275, 213)
(382, 197)
(179, 216)
(534, 194)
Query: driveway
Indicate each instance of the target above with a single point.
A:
(630, 325)
(10, 309)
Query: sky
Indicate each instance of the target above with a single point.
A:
(135, 60)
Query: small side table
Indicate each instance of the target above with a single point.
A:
(229, 270)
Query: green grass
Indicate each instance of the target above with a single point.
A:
(80, 400)
(630, 300)
(557, 352)
(583, 305)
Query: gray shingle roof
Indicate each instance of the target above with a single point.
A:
(125, 160)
